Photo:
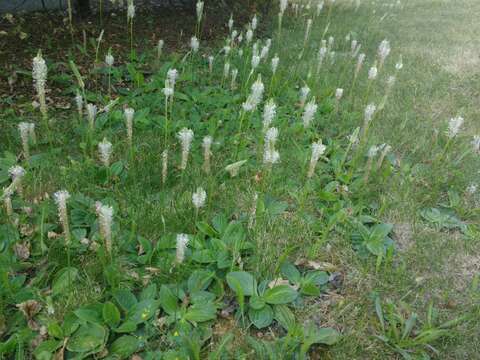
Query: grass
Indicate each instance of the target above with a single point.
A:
(372, 256)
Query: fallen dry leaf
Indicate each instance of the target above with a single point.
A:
(22, 251)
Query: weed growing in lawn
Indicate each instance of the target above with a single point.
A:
(215, 174)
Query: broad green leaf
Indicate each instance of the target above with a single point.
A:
(127, 327)
(243, 280)
(220, 223)
(284, 316)
(313, 335)
(64, 278)
(124, 346)
(149, 292)
(291, 272)
(257, 302)
(46, 349)
(317, 277)
(199, 280)
(281, 294)
(201, 297)
(90, 313)
(79, 233)
(376, 241)
(168, 301)
(111, 315)
(205, 256)
(201, 312)
(89, 337)
(125, 298)
(275, 207)
(443, 218)
(116, 168)
(327, 336)
(55, 330)
(70, 324)
(220, 349)
(206, 229)
(381, 230)
(261, 318)
(234, 235)
(309, 288)
(142, 311)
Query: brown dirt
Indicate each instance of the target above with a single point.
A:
(21, 36)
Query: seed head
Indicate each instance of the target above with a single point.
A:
(304, 91)
(275, 61)
(199, 7)
(399, 64)
(61, 198)
(269, 112)
(199, 197)
(207, 153)
(105, 220)
(255, 61)
(105, 151)
(130, 11)
(318, 149)
(172, 75)
(270, 155)
(476, 143)
(185, 136)
(255, 96)
(254, 22)
(109, 60)
(369, 111)
(182, 242)
(129, 113)
(360, 60)
(16, 172)
(319, 7)
(194, 44)
(91, 115)
(39, 72)
(338, 94)
(79, 103)
(372, 73)
(160, 45)
(249, 36)
(373, 151)
(454, 126)
(383, 51)
(309, 113)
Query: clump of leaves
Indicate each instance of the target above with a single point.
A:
(402, 330)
